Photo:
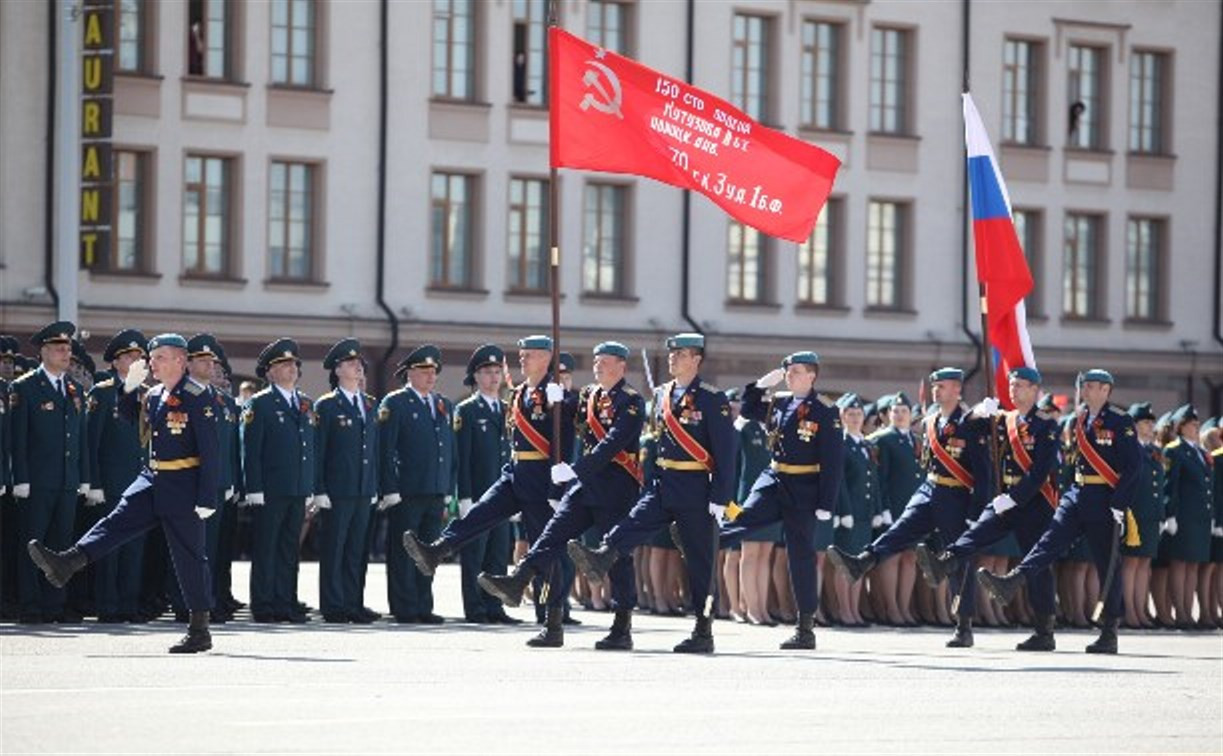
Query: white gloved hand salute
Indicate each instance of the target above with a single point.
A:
(136, 373)
(771, 378)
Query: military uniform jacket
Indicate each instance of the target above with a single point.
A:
(754, 455)
(802, 432)
(965, 440)
(48, 432)
(6, 473)
(860, 494)
(900, 468)
(182, 430)
(278, 445)
(1037, 435)
(115, 450)
(347, 447)
(483, 445)
(1150, 501)
(1111, 434)
(1189, 484)
(533, 405)
(227, 413)
(621, 412)
(418, 445)
(703, 413)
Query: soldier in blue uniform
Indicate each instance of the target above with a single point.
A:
(525, 486)
(957, 487)
(278, 434)
(483, 450)
(418, 473)
(346, 489)
(1028, 439)
(603, 486)
(1190, 514)
(178, 488)
(697, 454)
(1106, 479)
(50, 462)
(900, 474)
(116, 459)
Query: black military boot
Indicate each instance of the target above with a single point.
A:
(935, 567)
(1002, 587)
(197, 638)
(701, 640)
(1107, 642)
(855, 566)
(553, 634)
(1042, 637)
(508, 588)
(963, 633)
(593, 563)
(621, 636)
(804, 634)
(426, 555)
(59, 567)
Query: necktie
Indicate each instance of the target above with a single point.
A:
(429, 403)
(357, 406)
(59, 386)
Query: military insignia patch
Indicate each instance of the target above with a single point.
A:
(458, 422)
(248, 416)
(384, 414)
(91, 404)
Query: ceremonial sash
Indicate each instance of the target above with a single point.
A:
(523, 425)
(1093, 457)
(622, 458)
(682, 437)
(1025, 460)
(955, 468)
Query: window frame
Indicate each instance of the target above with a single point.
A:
(764, 266)
(808, 101)
(621, 260)
(146, 194)
(232, 235)
(628, 21)
(471, 203)
(1163, 110)
(315, 57)
(1032, 244)
(1158, 286)
(1036, 88)
(902, 268)
(1102, 52)
(907, 37)
(527, 23)
(515, 281)
(1096, 272)
(473, 75)
(766, 102)
(833, 216)
(314, 253)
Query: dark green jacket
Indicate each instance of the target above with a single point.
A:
(900, 468)
(347, 447)
(115, 452)
(754, 455)
(278, 445)
(418, 445)
(48, 432)
(483, 446)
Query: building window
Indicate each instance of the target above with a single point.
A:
(128, 228)
(818, 258)
(209, 38)
(1087, 101)
(1020, 84)
(1029, 226)
(889, 88)
(206, 216)
(608, 24)
(885, 246)
(293, 36)
(747, 265)
(130, 29)
(1143, 261)
(1082, 261)
(291, 221)
(749, 74)
(454, 49)
(603, 251)
(451, 262)
(821, 75)
(530, 52)
(1148, 71)
(528, 242)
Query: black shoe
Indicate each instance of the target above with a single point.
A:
(58, 567)
(569, 619)
(963, 634)
(431, 619)
(553, 634)
(197, 638)
(70, 617)
(853, 565)
(804, 634)
(337, 618)
(593, 563)
(701, 640)
(219, 616)
(362, 616)
(407, 619)
(264, 619)
(1042, 638)
(30, 618)
(1107, 642)
(501, 618)
(1002, 587)
(294, 618)
(426, 555)
(507, 588)
(621, 636)
(935, 567)
(182, 616)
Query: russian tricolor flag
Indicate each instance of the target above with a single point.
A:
(1002, 268)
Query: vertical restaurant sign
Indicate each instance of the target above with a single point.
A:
(97, 116)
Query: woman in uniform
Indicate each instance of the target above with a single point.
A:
(755, 564)
(1148, 515)
(1190, 513)
(858, 503)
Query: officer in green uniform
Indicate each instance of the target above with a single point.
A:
(50, 462)
(858, 503)
(228, 413)
(418, 472)
(278, 434)
(1190, 512)
(8, 513)
(1148, 514)
(116, 458)
(900, 474)
(483, 449)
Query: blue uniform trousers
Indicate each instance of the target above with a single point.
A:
(212, 547)
(117, 578)
(48, 516)
(1028, 522)
(276, 527)
(342, 531)
(222, 583)
(410, 591)
(488, 552)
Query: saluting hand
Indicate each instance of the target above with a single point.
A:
(136, 373)
(771, 378)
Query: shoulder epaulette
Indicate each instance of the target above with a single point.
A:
(305, 397)
(878, 434)
(629, 390)
(108, 383)
(1217, 452)
(467, 402)
(193, 388)
(265, 392)
(1048, 415)
(396, 392)
(326, 397)
(711, 389)
(24, 377)
(1172, 444)
(824, 400)
(1117, 410)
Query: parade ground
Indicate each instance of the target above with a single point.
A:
(462, 688)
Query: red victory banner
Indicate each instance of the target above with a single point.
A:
(610, 113)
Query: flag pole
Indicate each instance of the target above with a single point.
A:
(554, 265)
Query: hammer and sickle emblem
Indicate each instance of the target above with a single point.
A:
(610, 102)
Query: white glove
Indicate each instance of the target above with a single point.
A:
(204, 512)
(847, 521)
(823, 515)
(465, 506)
(718, 511)
(21, 491)
(771, 378)
(555, 392)
(229, 493)
(373, 501)
(562, 473)
(322, 501)
(517, 517)
(83, 489)
(987, 407)
(254, 500)
(887, 517)
(389, 501)
(1217, 531)
(1003, 502)
(1169, 526)
(555, 504)
(95, 496)
(3, 489)
(877, 521)
(1118, 515)
(136, 373)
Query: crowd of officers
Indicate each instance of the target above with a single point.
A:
(767, 504)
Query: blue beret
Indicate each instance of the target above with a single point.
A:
(1029, 374)
(203, 345)
(566, 362)
(422, 356)
(801, 358)
(485, 355)
(850, 401)
(1141, 411)
(1099, 375)
(344, 349)
(1184, 414)
(167, 339)
(127, 340)
(59, 332)
(686, 341)
(947, 374)
(538, 341)
(614, 348)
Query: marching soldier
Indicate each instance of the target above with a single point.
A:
(278, 434)
(525, 485)
(347, 484)
(50, 461)
(1028, 438)
(418, 472)
(483, 450)
(957, 487)
(900, 474)
(1106, 479)
(1190, 514)
(603, 485)
(696, 462)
